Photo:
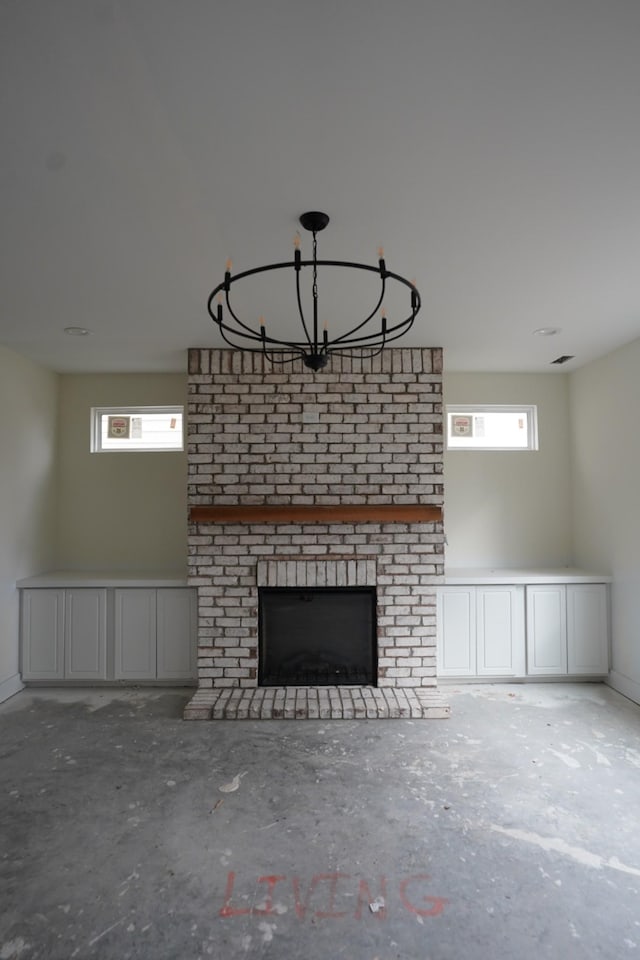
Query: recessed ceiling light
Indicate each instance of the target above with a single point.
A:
(564, 358)
(546, 331)
(76, 331)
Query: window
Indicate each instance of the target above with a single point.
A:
(492, 427)
(136, 428)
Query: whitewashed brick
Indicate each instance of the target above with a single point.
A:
(369, 445)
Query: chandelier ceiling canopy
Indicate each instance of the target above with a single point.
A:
(365, 336)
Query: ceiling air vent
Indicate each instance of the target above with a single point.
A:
(563, 359)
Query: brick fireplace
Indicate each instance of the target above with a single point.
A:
(315, 480)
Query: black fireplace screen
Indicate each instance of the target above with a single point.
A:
(322, 636)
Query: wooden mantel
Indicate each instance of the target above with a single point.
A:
(317, 513)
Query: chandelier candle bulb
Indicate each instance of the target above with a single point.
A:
(381, 261)
(384, 323)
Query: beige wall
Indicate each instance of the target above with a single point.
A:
(119, 511)
(28, 400)
(510, 509)
(605, 399)
(573, 501)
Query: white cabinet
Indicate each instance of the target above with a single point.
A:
(456, 617)
(481, 631)
(546, 630)
(523, 625)
(43, 635)
(154, 634)
(500, 631)
(89, 628)
(64, 634)
(85, 634)
(567, 629)
(587, 629)
(176, 614)
(135, 634)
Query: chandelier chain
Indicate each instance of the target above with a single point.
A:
(315, 268)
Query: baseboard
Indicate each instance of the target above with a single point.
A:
(625, 686)
(10, 687)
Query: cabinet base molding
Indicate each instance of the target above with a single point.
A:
(493, 681)
(111, 684)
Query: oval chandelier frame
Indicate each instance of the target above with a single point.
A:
(315, 350)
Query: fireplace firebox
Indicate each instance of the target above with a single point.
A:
(320, 636)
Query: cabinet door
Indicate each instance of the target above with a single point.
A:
(176, 609)
(546, 630)
(587, 629)
(135, 634)
(500, 631)
(456, 631)
(42, 631)
(85, 634)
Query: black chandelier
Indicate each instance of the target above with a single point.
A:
(362, 340)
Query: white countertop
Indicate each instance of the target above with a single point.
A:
(487, 575)
(452, 576)
(80, 578)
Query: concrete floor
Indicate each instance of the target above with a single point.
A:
(510, 830)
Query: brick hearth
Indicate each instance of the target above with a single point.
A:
(318, 703)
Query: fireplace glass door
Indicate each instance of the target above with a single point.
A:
(321, 636)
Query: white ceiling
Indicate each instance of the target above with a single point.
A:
(492, 146)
